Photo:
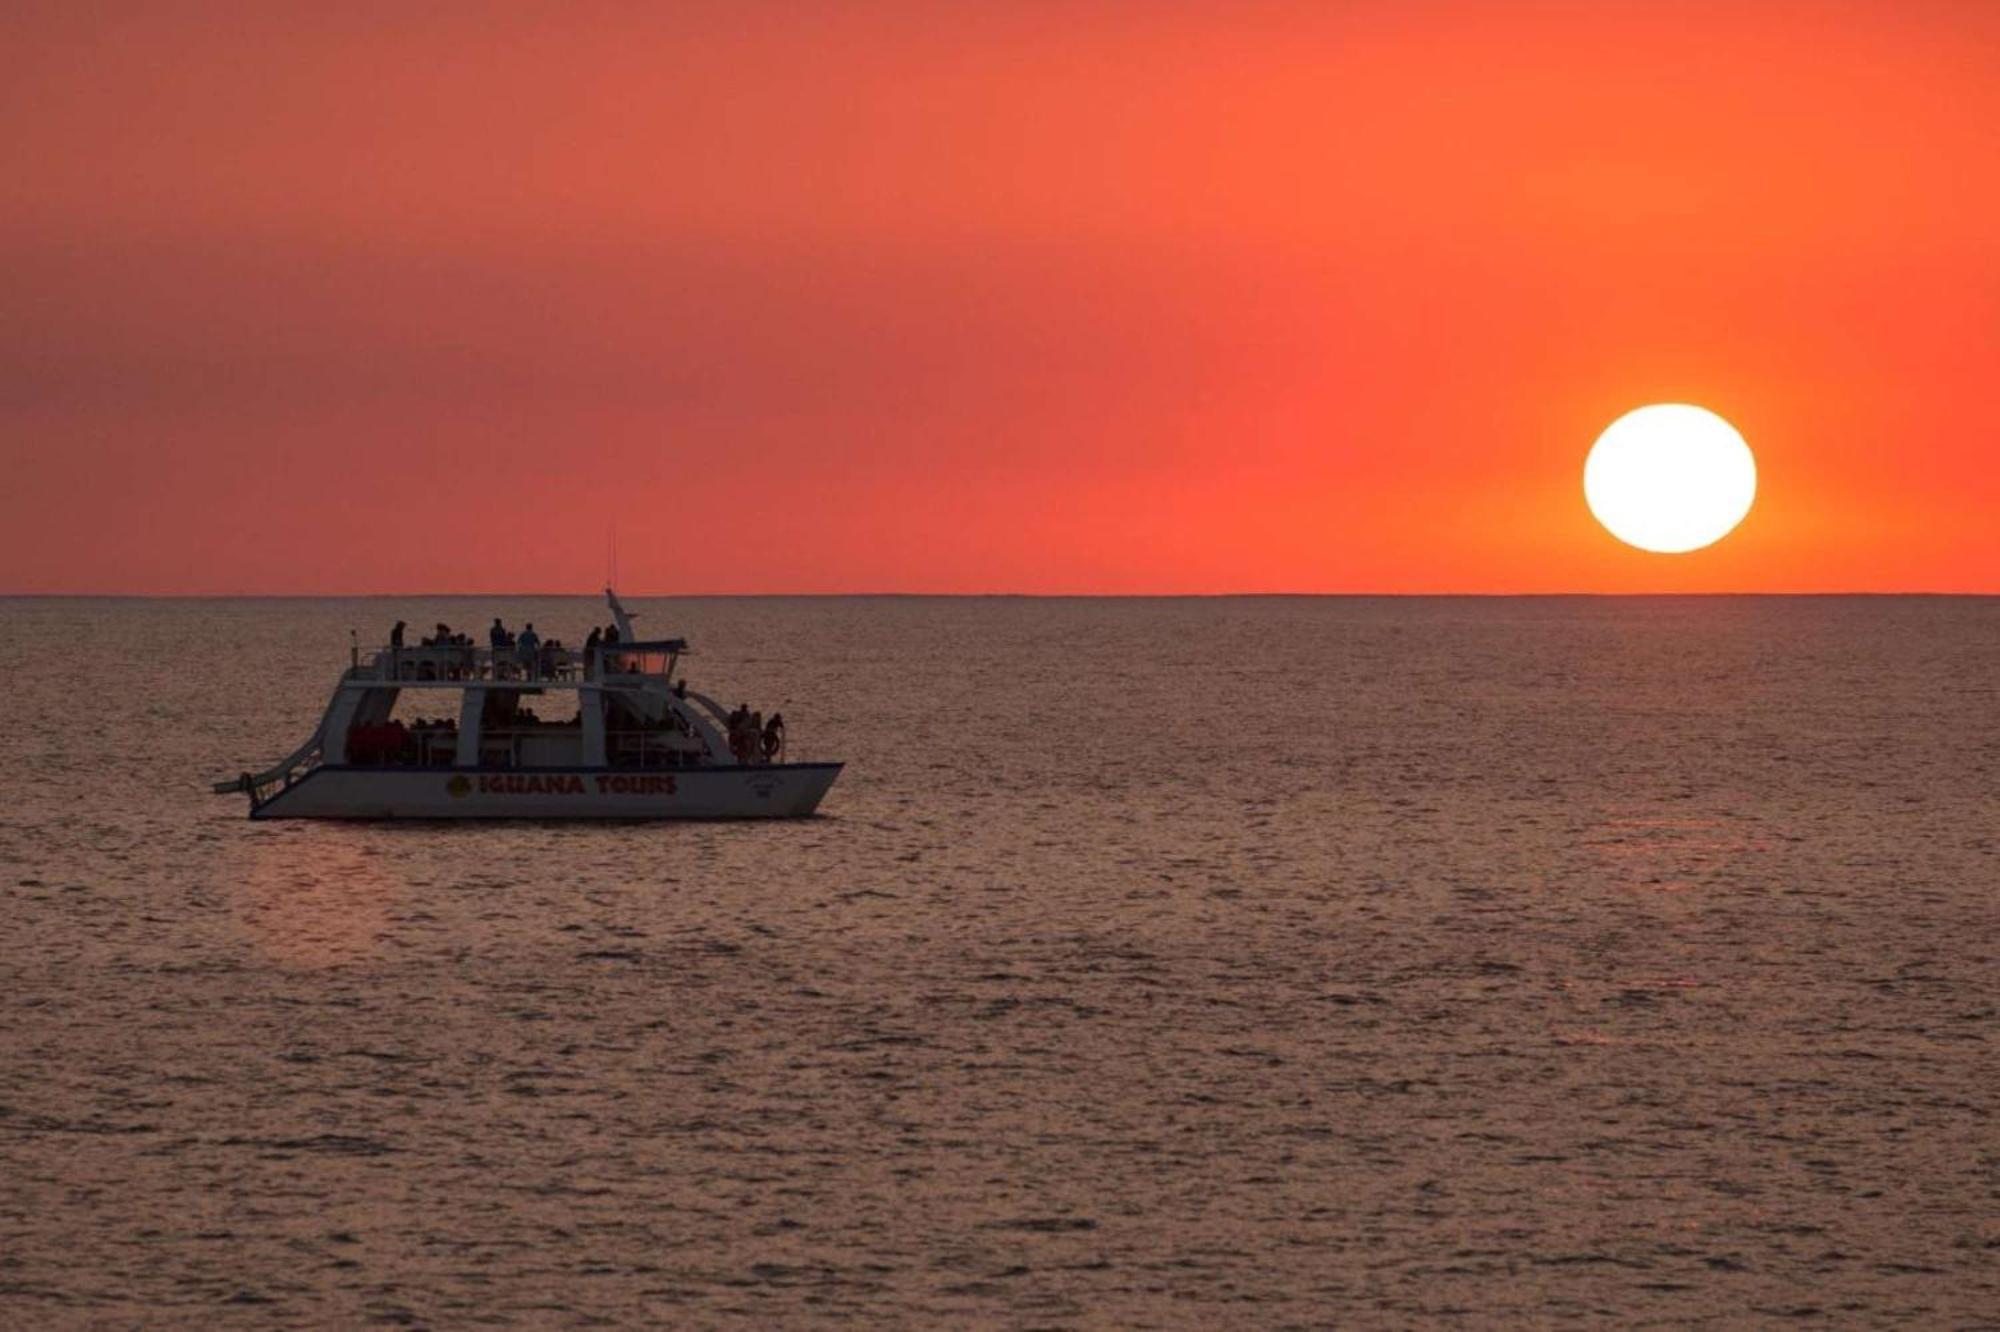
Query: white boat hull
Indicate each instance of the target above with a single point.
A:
(773, 791)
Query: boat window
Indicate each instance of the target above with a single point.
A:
(420, 731)
(429, 707)
(520, 710)
(638, 738)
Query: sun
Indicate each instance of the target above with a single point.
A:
(1670, 478)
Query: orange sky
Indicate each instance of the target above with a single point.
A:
(1038, 297)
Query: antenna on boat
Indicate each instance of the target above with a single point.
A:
(619, 615)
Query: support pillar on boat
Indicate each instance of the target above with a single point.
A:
(590, 711)
(340, 719)
(471, 710)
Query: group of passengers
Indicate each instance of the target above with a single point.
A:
(754, 740)
(455, 664)
(526, 653)
(599, 651)
(441, 637)
(427, 742)
(394, 744)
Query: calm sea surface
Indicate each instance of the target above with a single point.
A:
(1154, 963)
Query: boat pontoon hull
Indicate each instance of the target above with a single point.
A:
(763, 791)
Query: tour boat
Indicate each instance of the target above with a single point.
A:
(642, 745)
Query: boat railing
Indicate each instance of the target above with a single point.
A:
(262, 786)
(468, 663)
(651, 748)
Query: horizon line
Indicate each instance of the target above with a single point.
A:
(960, 596)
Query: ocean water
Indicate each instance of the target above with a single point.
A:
(1265, 962)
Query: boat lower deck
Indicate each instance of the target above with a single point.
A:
(760, 791)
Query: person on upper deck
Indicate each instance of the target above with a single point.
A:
(396, 635)
(497, 635)
(526, 647)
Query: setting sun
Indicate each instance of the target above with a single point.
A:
(1670, 478)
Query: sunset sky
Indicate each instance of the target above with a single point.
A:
(1009, 297)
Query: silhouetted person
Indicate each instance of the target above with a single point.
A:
(526, 646)
(497, 635)
(396, 635)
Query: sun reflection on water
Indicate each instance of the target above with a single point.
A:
(1668, 855)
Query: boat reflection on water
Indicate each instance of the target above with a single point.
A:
(311, 899)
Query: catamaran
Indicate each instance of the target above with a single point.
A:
(642, 745)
